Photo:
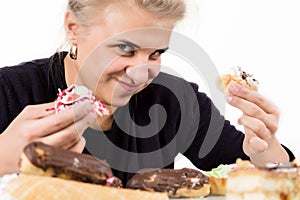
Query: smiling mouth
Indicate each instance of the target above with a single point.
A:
(129, 87)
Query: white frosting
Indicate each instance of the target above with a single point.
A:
(76, 162)
(195, 181)
(4, 195)
(252, 82)
(236, 71)
(242, 75)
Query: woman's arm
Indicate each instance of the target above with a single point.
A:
(260, 120)
(230, 143)
(34, 123)
(217, 141)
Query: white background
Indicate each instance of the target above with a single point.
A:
(262, 36)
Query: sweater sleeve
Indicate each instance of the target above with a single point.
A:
(5, 104)
(216, 141)
(22, 85)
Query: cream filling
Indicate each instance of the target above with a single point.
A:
(4, 195)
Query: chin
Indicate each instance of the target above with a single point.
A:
(120, 101)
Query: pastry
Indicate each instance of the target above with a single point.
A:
(33, 187)
(52, 173)
(274, 181)
(217, 185)
(41, 159)
(239, 76)
(74, 95)
(184, 182)
(218, 178)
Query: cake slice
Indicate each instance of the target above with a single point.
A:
(274, 182)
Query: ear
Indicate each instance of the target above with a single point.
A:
(71, 26)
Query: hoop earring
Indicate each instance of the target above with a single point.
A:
(73, 52)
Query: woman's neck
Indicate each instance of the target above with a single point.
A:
(104, 122)
(71, 70)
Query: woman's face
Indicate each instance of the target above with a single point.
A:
(119, 53)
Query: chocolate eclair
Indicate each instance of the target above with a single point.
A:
(184, 182)
(41, 159)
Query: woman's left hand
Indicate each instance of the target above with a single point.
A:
(260, 120)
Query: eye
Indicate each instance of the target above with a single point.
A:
(126, 48)
(156, 54)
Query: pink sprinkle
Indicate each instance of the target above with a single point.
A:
(70, 97)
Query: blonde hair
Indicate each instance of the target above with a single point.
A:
(173, 9)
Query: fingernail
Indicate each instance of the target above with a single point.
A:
(233, 88)
(229, 98)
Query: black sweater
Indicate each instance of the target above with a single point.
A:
(167, 117)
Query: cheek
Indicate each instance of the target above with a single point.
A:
(116, 67)
(96, 65)
(90, 78)
(91, 73)
(154, 69)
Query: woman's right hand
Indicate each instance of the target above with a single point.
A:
(35, 123)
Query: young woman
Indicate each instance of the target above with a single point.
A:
(115, 51)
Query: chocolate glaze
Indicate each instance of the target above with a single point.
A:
(70, 165)
(244, 75)
(168, 180)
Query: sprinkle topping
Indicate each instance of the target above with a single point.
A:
(250, 80)
(74, 95)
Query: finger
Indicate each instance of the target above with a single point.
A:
(70, 135)
(251, 109)
(248, 108)
(256, 126)
(62, 139)
(59, 121)
(253, 144)
(253, 96)
(37, 111)
(258, 145)
(79, 146)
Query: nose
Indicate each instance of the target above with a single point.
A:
(138, 68)
(138, 73)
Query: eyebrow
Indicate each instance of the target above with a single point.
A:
(137, 46)
(130, 43)
(165, 49)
